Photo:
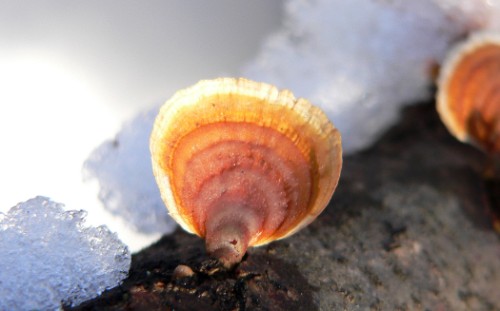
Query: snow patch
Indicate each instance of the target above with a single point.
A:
(48, 257)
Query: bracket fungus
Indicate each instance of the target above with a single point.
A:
(468, 99)
(242, 164)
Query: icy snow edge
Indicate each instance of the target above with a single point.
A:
(48, 257)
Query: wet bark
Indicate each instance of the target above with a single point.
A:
(410, 227)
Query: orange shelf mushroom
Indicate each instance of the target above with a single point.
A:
(468, 99)
(242, 164)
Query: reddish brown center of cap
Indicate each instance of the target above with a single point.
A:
(474, 96)
(243, 172)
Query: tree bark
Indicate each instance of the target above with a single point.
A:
(409, 228)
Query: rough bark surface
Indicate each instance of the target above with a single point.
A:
(409, 228)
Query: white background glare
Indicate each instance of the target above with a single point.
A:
(72, 72)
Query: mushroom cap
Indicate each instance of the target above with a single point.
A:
(468, 99)
(241, 144)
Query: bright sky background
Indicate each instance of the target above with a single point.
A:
(72, 71)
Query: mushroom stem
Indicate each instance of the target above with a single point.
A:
(228, 244)
(228, 233)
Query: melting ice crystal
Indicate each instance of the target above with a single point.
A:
(48, 257)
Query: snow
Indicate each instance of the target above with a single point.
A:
(48, 257)
(362, 60)
(359, 60)
(127, 185)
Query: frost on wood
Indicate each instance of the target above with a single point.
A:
(48, 257)
(127, 185)
(361, 60)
